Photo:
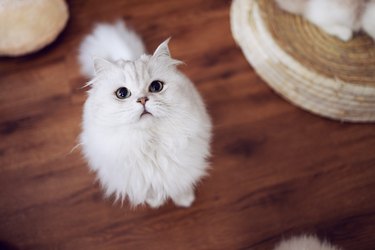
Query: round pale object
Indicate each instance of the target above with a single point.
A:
(27, 26)
(306, 66)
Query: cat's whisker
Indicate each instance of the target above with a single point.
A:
(74, 148)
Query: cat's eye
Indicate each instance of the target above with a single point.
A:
(122, 93)
(156, 86)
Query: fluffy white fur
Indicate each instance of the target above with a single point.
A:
(145, 158)
(304, 243)
(340, 18)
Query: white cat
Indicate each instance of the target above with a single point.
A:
(305, 242)
(340, 18)
(146, 132)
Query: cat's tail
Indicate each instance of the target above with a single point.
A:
(111, 42)
(293, 6)
(306, 243)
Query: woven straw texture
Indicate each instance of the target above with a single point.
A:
(311, 69)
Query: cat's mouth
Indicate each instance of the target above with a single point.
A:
(145, 112)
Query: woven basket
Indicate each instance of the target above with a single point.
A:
(313, 70)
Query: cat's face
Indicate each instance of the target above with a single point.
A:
(137, 92)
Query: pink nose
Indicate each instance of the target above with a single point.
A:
(142, 100)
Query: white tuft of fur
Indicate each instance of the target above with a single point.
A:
(145, 158)
(339, 18)
(111, 42)
(305, 242)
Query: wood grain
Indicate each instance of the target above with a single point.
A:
(276, 170)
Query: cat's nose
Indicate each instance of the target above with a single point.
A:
(142, 100)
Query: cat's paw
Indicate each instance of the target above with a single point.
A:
(184, 199)
(341, 32)
(154, 202)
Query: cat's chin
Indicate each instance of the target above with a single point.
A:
(145, 118)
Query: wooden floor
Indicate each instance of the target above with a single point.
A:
(276, 169)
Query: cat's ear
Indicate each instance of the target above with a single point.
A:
(163, 50)
(101, 64)
(162, 53)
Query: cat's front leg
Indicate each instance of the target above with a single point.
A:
(368, 19)
(184, 199)
(325, 21)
